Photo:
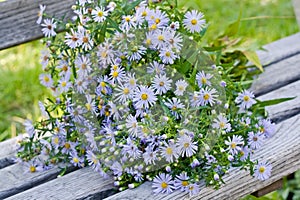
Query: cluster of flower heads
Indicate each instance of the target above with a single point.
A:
(135, 98)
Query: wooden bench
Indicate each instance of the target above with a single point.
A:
(280, 79)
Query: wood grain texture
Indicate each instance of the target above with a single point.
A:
(18, 19)
(282, 151)
(7, 151)
(277, 75)
(13, 179)
(286, 109)
(81, 184)
(279, 50)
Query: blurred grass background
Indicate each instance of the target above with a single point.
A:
(262, 20)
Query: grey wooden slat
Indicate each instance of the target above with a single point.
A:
(13, 179)
(281, 151)
(7, 151)
(277, 75)
(18, 19)
(280, 49)
(286, 109)
(81, 184)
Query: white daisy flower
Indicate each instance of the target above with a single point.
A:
(40, 14)
(255, 140)
(160, 38)
(49, 26)
(203, 79)
(130, 80)
(186, 146)
(85, 40)
(193, 189)
(175, 106)
(111, 6)
(174, 25)
(117, 76)
(65, 84)
(207, 96)
(150, 156)
(245, 99)
(123, 93)
(64, 66)
(182, 182)
(234, 144)
(156, 68)
(106, 54)
(46, 80)
(222, 123)
(83, 64)
(161, 84)
(144, 97)
(193, 21)
(167, 56)
(99, 15)
(180, 87)
(72, 40)
(131, 149)
(132, 125)
(149, 41)
(175, 40)
(169, 151)
(81, 85)
(128, 22)
(136, 53)
(45, 55)
(163, 183)
(158, 18)
(262, 170)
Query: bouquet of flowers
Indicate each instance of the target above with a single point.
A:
(137, 97)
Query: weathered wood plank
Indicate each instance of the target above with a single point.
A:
(279, 50)
(18, 19)
(286, 109)
(281, 151)
(81, 184)
(13, 179)
(7, 151)
(277, 75)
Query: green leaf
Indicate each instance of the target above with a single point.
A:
(273, 101)
(252, 57)
(131, 6)
(233, 28)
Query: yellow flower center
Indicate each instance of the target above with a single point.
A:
(103, 54)
(157, 20)
(75, 160)
(64, 84)
(32, 169)
(100, 14)
(115, 74)
(186, 145)
(83, 66)
(194, 21)
(148, 41)
(85, 39)
(262, 169)
(88, 106)
(222, 124)
(181, 88)
(65, 68)
(107, 113)
(168, 54)
(164, 185)
(56, 140)
(206, 96)
(126, 91)
(161, 84)
(67, 145)
(161, 37)
(169, 151)
(184, 183)
(262, 129)
(102, 84)
(127, 19)
(233, 145)
(115, 67)
(203, 80)
(46, 79)
(174, 108)
(246, 98)
(144, 96)
(153, 27)
(144, 13)
(132, 82)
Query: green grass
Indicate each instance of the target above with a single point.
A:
(20, 87)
